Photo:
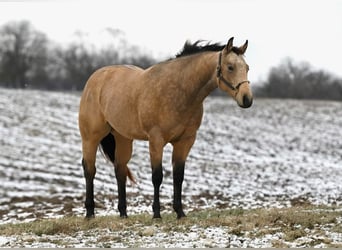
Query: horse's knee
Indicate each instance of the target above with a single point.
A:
(157, 175)
(156, 146)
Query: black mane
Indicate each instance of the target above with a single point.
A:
(194, 48)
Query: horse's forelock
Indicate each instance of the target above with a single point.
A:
(237, 50)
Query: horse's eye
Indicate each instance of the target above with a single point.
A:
(230, 68)
(247, 67)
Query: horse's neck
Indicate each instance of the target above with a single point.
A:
(182, 82)
(199, 75)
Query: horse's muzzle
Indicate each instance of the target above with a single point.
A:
(247, 101)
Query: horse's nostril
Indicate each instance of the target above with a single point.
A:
(247, 102)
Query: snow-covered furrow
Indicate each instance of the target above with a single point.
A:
(273, 154)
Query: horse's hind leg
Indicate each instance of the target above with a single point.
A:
(181, 150)
(123, 153)
(89, 149)
(88, 163)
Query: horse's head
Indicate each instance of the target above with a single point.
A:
(232, 74)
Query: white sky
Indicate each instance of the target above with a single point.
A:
(305, 30)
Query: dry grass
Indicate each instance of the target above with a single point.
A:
(294, 223)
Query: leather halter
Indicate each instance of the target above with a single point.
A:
(221, 78)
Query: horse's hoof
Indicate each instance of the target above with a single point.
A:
(180, 213)
(89, 217)
(156, 217)
(181, 216)
(124, 216)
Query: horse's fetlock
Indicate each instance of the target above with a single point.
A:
(156, 207)
(123, 211)
(89, 204)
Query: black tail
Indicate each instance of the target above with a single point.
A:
(108, 149)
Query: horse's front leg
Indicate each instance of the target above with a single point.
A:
(156, 145)
(181, 150)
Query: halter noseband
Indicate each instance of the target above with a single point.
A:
(221, 78)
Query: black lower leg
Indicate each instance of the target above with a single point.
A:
(178, 177)
(89, 202)
(122, 205)
(157, 178)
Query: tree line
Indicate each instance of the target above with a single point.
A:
(28, 59)
(300, 81)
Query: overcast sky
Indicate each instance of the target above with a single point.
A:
(305, 30)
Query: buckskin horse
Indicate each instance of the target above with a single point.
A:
(161, 104)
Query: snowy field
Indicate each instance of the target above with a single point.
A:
(275, 154)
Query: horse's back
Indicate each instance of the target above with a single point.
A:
(106, 79)
(108, 74)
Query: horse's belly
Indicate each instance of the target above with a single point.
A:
(129, 129)
(175, 133)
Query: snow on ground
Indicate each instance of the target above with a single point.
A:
(197, 237)
(274, 154)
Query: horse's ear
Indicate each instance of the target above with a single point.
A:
(244, 47)
(229, 45)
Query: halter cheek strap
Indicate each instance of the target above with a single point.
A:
(221, 78)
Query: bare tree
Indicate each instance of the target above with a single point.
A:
(23, 55)
(29, 59)
(300, 81)
(80, 59)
